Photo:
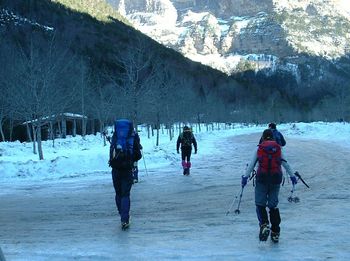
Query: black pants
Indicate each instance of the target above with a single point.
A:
(275, 218)
(186, 153)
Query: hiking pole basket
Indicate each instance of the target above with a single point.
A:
(291, 198)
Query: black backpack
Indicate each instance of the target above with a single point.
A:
(187, 138)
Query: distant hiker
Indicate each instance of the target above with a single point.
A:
(125, 150)
(186, 139)
(268, 181)
(277, 135)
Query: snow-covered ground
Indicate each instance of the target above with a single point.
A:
(62, 208)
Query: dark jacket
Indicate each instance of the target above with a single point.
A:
(186, 139)
(277, 136)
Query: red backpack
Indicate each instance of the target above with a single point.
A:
(269, 157)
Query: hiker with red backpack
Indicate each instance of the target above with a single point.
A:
(186, 139)
(125, 150)
(268, 181)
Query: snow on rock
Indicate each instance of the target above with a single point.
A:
(8, 17)
(279, 28)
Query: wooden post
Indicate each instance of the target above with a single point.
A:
(64, 128)
(74, 128)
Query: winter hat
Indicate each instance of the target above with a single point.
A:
(186, 128)
(267, 134)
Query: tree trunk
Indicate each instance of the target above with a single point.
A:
(11, 129)
(158, 126)
(148, 131)
(59, 128)
(40, 148)
(2, 131)
(52, 134)
(29, 135)
(199, 121)
(34, 139)
(170, 131)
(93, 127)
(104, 141)
(83, 126)
(101, 126)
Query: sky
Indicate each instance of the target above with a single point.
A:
(62, 208)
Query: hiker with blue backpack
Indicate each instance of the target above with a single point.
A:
(277, 135)
(186, 139)
(268, 177)
(125, 150)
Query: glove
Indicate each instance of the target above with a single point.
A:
(177, 151)
(244, 181)
(195, 152)
(294, 180)
(109, 163)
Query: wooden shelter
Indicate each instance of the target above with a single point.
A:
(58, 126)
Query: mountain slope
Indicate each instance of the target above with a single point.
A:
(91, 32)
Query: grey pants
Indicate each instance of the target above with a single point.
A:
(266, 195)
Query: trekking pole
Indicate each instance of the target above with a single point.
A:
(233, 202)
(144, 162)
(290, 198)
(237, 211)
(298, 175)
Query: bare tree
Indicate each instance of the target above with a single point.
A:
(138, 72)
(40, 88)
(84, 91)
(6, 105)
(3, 110)
(103, 102)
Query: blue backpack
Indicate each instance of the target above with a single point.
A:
(125, 146)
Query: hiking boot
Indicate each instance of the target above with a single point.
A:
(125, 225)
(275, 236)
(264, 232)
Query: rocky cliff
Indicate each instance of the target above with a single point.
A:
(236, 35)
